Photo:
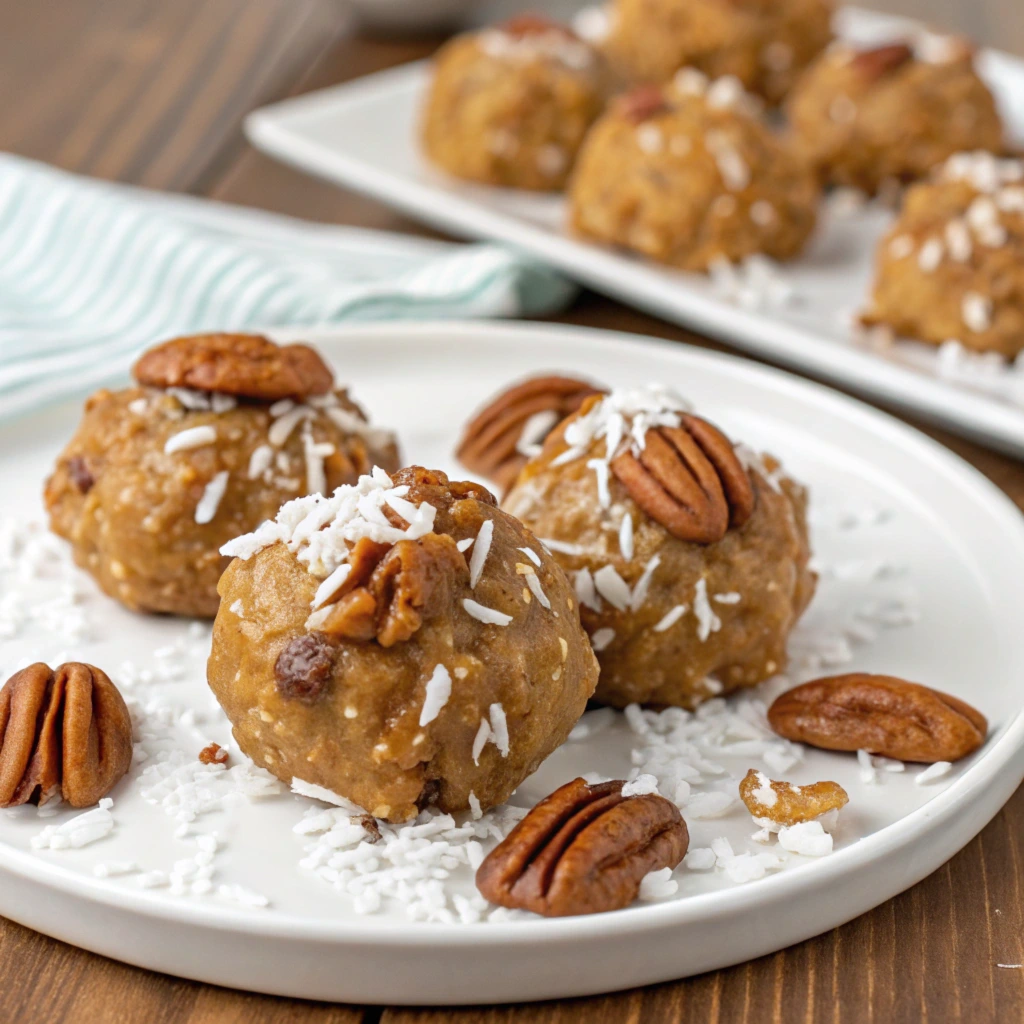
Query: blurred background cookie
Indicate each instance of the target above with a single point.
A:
(892, 113)
(764, 43)
(952, 266)
(510, 105)
(688, 174)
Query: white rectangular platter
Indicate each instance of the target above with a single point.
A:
(363, 135)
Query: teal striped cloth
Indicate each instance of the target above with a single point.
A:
(92, 273)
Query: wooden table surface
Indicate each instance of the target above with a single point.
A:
(152, 92)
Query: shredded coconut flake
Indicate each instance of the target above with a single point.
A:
(331, 585)
(499, 729)
(208, 504)
(707, 621)
(260, 461)
(612, 587)
(481, 549)
(807, 838)
(670, 618)
(320, 529)
(537, 590)
(626, 536)
(642, 785)
(482, 613)
(531, 555)
(562, 547)
(933, 772)
(193, 437)
(439, 689)
(483, 734)
(643, 585)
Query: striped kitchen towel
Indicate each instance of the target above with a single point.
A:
(92, 273)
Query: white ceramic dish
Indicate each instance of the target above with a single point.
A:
(363, 135)
(907, 535)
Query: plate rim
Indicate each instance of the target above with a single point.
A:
(987, 775)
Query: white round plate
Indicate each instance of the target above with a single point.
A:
(921, 561)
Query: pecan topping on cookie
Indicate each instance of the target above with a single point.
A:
(786, 804)
(499, 440)
(243, 365)
(880, 714)
(64, 734)
(532, 24)
(642, 103)
(689, 479)
(303, 668)
(81, 476)
(882, 60)
(412, 577)
(583, 850)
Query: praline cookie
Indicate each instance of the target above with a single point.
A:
(403, 643)
(217, 433)
(764, 43)
(892, 113)
(510, 105)
(952, 266)
(689, 555)
(688, 175)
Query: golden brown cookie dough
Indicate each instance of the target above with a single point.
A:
(158, 477)
(674, 621)
(764, 43)
(689, 176)
(866, 117)
(382, 658)
(952, 266)
(510, 105)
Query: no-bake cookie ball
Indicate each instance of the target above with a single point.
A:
(402, 643)
(688, 176)
(217, 433)
(764, 43)
(511, 105)
(689, 555)
(952, 266)
(866, 117)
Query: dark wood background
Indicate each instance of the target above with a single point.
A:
(152, 92)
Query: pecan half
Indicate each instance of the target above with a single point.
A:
(880, 714)
(64, 733)
(583, 850)
(642, 103)
(532, 24)
(411, 579)
(689, 479)
(881, 60)
(786, 804)
(498, 441)
(244, 365)
(303, 669)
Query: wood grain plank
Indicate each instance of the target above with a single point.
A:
(147, 91)
(42, 980)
